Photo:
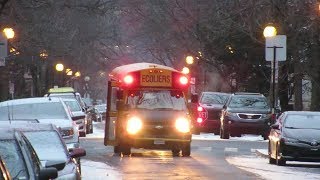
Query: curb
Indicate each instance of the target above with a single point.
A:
(262, 154)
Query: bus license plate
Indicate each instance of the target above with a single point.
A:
(159, 142)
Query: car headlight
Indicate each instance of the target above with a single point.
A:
(134, 125)
(183, 125)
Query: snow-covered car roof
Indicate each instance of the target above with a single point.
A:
(7, 130)
(30, 101)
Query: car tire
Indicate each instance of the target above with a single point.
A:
(82, 134)
(116, 149)
(279, 161)
(175, 152)
(186, 150)
(125, 149)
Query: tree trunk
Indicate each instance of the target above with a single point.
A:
(297, 86)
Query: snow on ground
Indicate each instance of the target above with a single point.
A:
(261, 167)
(98, 171)
(211, 136)
(98, 131)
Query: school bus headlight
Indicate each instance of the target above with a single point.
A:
(183, 125)
(134, 125)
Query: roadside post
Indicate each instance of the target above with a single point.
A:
(276, 50)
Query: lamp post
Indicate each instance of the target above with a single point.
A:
(271, 31)
(59, 69)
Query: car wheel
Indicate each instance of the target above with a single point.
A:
(186, 150)
(82, 134)
(279, 160)
(116, 149)
(175, 152)
(125, 149)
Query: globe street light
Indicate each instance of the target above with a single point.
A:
(185, 70)
(9, 33)
(269, 31)
(77, 74)
(189, 59)
(59, 67)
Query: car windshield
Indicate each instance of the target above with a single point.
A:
(12, 156)
(152, 100)
(49, 110)
(214, 98)
(70, 96)
(73, 105)
(249, 102)
(303, 121)
(52, 149)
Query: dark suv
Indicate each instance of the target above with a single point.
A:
(245, 113)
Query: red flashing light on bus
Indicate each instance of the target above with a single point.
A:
(128, 79)
(183, 80)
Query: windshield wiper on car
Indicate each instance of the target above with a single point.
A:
(290, 127)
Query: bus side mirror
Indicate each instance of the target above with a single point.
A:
(194, 98)
(120, 94)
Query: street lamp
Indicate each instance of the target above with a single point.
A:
(77, 74)
(185, 70)
(59, 67)
(9, 32)
(269, 31)
(189, 59)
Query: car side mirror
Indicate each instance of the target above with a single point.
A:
(48, 173)
(275, 126)
(77, 152)
(194, 98)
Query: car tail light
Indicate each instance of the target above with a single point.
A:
(202, 114)
(199, 120)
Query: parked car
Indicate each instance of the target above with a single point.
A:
(43, 110)
(50, 147)
(4, 172)
(245, 113)
(94, 115)
(102, 108)
(79, 117)
(68, 93)
(206, 113)
(295, 137)
(20, 160)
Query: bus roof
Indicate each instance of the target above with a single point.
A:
(120, 71)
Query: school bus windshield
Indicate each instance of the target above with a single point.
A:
(157, 100)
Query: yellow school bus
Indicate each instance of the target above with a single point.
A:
(147, 108)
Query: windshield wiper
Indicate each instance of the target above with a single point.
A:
(290, 127)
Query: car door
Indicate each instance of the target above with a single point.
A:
(112, 114)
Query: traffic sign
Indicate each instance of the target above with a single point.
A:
(276, 46)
